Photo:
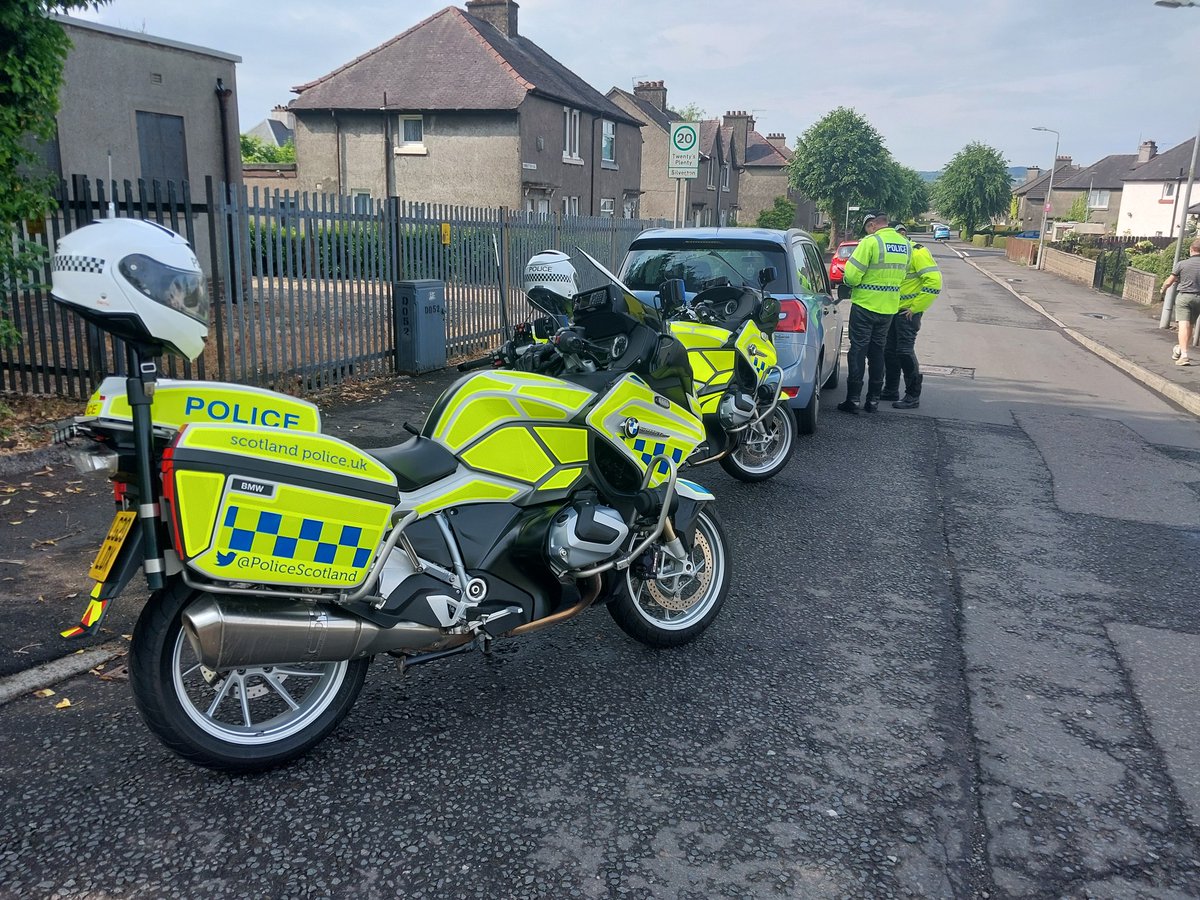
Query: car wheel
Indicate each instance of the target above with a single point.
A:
(806, 418)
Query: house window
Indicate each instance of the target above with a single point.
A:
(362, 202)
(570, 133)
(410, 136)
(1169, 191)
(712, 173)
(162, 147)
(725, 177)
(570, 206)
(608, 206)
(631, 209)
(608, 144)
(1098, 199)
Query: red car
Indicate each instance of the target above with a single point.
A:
(837, 268)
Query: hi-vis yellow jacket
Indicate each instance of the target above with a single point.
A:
(876, 270)
(922, 282)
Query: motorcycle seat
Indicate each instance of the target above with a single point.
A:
(416, 462)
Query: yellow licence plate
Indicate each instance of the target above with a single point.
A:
(113, 542)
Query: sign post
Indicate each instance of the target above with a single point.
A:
(683, 157)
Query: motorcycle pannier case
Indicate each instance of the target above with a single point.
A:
(267, 506)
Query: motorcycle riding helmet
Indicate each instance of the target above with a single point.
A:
(136, 280)
(551, 272)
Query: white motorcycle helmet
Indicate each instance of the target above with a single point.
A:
(136, 280)
(552, 270)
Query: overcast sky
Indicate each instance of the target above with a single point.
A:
(930, 75)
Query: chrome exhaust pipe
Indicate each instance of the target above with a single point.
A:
(237, 632)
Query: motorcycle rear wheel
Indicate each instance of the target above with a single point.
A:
(672, 615)
(241, 720)
(764, 449)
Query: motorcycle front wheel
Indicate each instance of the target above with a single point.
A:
(238, 720)
(669, 613)
(764, 449)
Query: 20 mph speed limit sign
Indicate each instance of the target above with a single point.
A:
(683, 158)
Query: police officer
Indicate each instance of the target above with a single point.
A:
(874, 273)
(922, 285)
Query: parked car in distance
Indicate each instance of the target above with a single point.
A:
(1032, 235)
(941, 232)
(808, 338)
(837, 266)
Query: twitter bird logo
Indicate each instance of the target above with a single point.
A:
(224, 559)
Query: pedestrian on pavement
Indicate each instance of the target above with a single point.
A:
(922, 285)
(1187, 301)
(874, 272)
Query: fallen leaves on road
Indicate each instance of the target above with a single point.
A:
(44, 693)
(62, 704)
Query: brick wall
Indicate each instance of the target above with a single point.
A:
(1140, 287)
(1021, 250)
(1070, 267)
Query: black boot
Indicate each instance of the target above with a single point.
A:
(909, 402)
(912, 394)
(848, 406)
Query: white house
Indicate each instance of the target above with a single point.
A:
(1152, 199)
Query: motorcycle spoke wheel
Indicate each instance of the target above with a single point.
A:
(765, 447)
(254, 705)
(671, 611)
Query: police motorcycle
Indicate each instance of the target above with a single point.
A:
(725, 332)
(281, 560)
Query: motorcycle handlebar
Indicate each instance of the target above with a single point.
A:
(473, 364)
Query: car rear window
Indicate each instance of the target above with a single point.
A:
(650, 263)
(846, 252)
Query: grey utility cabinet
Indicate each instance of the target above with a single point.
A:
(420, 311)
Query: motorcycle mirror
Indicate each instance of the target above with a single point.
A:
(767, 275)
(671, 296)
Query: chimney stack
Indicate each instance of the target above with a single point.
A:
(653, 91)
(740, 121)
(1061, 162)
(1032, 173)
(1147, 151)
(778, 141)
(500, 14)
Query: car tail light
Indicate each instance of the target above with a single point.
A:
(791, 392)
(793, 317)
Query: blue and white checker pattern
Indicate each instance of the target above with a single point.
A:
(648, 451)
(264, 533)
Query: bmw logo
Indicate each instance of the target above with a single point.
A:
(630, 427)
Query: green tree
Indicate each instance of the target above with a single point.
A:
(906, 194)
(256, 150)
(691, 113)
(33, 49)
(1079, 209)
(974, 186)
(841, 160)
(780, 216)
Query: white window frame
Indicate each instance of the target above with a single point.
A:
(725, 177)
(608, 206)
(712, 172)
(1168, 190)
(406, 147)
(571, 135)
(1095, 198)
(570, 206)
(608, 141)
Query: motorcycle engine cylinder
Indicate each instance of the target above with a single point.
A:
(584, 534)
(735, 409)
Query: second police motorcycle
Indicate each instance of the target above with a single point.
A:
(281, 560)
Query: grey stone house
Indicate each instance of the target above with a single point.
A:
(699, 198)
(1031, 194)
(764, 174)
(461, 109)
(1103, 183)
(165, 110)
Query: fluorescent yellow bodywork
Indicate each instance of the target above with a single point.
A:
(178, 403)
(203, 490)
(757, 348)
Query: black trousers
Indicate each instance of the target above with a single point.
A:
(868, 334)
(900, 355)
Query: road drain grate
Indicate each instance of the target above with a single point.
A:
(950, 371)
(1099, 316)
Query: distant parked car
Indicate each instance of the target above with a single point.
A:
(837, 267)
(1032, 235)
(941, 232)
(808, 338)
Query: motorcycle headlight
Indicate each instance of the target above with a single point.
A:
(93, 458)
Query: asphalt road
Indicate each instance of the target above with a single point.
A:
(957, 661)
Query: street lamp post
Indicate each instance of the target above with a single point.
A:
(850, 209)
(1049, 191)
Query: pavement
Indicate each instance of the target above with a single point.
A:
(1124, 333)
